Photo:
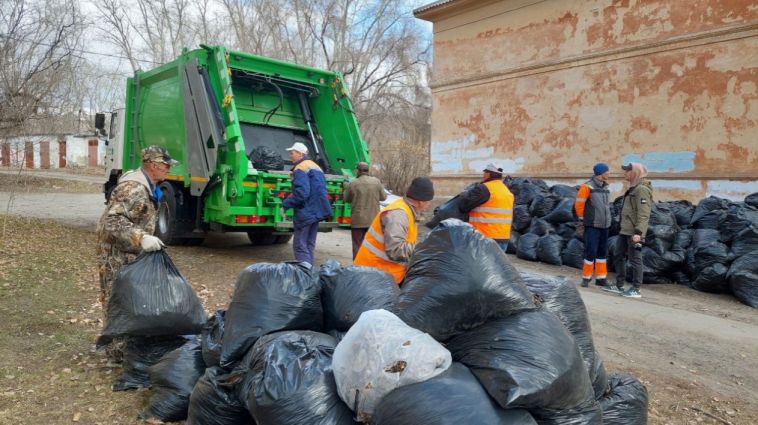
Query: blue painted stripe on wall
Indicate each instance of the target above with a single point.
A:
(664, 162)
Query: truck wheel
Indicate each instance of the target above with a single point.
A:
(283, 239)
(261, 238)
(166, 225)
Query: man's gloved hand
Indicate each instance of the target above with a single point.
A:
(283, 213)
(150, 243)
(580, 230)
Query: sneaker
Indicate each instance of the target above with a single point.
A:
(632, 293)
(612, 288)
(585, 283)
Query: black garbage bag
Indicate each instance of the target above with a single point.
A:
(712, 279)
(513, 242)
(745, 242)
(139, 354)
(573, 254)
(266, 158)
(710, 220)
(589, 413)
(616, 253)
(683, 239)
(269, 298)
(549, 249)
(211, 337)
(542, 205)
(288, 379)
(706, 205)
(527, 246)
(683, 211)
(540, 227)
(743, 279)
(660, 238)
(662, 215)
(453, 397)
(680, 277)
(150, 298)
(214, 401)
(563, 212)
(708, 255)
(526, 360)
(347, 292)
(173, 379)
(458, 279)
(626, 402)
(449, 209)
(704, 237)
(521, 218)
(561, 297)
(752, 200)
(737, 219)
(564, 191)
(567, 231)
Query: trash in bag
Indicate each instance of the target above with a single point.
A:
(513, 242)
(139, 354)
(573, 255)
(564, 191)
(626, 402)
(265, 158)
(338, 335)
(660, 238)
(709, 220)
(752, 200)
(527, 246)
(526, 360)
(542, 205)
(458, 279)
(381, 353)
(588, 413)
(563, 212)
(270, 298)
(540, 227)
(743, 279)
(173, 379)
(288, 380)
(703, 237)
(450, 209)
(683, 239)
(708, 255)
(524, 190)
(212, 335)
(712, 279)
(453, 397)
(706, 205)
(681, 278)
(349, 291)
(521, 218)
(655, 266)
(150, 298)
(561, 297)
(662, 215)
(616, 254)
(683, 211)
(214, 401)
(549, 249)
(745, 242)
(737, 219)
(567, 231)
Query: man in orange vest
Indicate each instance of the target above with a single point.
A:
(489, 205)
(593, 208)
(390, 239)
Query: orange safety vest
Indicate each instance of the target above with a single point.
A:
(493, 218)
(372, 252)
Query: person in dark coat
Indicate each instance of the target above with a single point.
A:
(308, 199)
(364, 194)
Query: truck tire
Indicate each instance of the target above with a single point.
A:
(166, 225)
(261, 238)
(282, 239)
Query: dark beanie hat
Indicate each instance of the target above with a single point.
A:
(600, 168)
(421, 189)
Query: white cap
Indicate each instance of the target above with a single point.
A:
(299, 147)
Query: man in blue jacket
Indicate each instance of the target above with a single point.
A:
(309, 200)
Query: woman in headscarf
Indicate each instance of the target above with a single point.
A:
(635, 215)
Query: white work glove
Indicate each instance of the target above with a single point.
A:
(150, 243)
(283, 213)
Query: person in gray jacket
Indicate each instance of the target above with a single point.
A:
(635, 217)
(364, 194)
(592, 206)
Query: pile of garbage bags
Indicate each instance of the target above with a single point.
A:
(710, 246)
(466, 337)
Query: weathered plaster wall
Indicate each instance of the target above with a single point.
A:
(548, 88)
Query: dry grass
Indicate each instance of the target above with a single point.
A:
(26, 183)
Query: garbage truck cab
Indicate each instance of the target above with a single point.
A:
(228, 117)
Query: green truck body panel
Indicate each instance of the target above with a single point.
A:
(255, 101)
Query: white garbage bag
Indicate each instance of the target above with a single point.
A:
(380, 353)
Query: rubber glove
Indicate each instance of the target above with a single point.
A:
(150, 243)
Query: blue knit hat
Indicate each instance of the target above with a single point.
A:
(600, 168)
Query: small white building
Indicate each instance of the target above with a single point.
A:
(46, 151)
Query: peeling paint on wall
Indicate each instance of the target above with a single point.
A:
(462, 156)
(734, 190)
(664, 162)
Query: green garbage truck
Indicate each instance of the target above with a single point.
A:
(228, 117)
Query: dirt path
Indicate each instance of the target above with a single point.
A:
(695, 351)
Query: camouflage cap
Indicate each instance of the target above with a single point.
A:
(156, 153)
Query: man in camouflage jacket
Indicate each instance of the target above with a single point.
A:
(126, 227)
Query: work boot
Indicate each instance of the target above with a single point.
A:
(632, 293)
(614, 288)
(601, 282)
(585, 283)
